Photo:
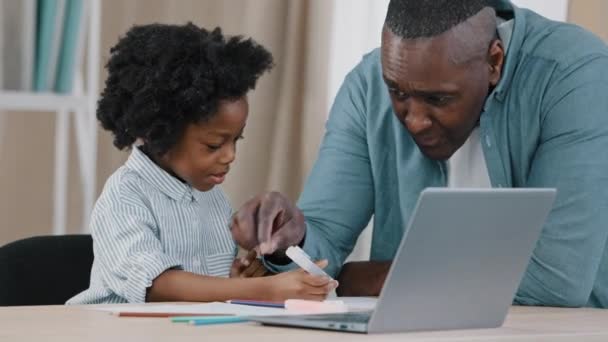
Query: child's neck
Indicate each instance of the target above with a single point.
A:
(158, 162)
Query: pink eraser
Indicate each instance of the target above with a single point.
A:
(311, 306)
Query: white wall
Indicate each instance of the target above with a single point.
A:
(356, 28)
(552, 9)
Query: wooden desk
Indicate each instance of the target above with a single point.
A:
(66, 324)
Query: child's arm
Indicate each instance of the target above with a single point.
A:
(176, 285)
(133, 264)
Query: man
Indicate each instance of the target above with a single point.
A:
(460, 94)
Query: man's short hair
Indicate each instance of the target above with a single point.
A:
(429, 18)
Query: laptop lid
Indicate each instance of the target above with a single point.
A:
(462, 259)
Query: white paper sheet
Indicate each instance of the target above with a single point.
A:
(203, 308)
(353, 303)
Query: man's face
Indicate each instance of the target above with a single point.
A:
(436, 93)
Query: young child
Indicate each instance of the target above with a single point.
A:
(161, 225)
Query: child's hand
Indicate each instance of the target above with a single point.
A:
(299, 284)
(247, 267)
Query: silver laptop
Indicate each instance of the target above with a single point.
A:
(458, 265)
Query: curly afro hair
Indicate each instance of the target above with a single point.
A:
(165, 77)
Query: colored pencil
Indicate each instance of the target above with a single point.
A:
(163, 314)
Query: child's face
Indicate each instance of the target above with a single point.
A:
(204, 154)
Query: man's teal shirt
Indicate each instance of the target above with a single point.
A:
(544, 125)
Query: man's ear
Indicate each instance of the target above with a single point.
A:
(496, 58)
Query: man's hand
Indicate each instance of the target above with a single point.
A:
(268, 223)
(247, 267)
(362, 278)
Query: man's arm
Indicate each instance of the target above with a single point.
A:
(338, 197)
(573, 157)
(362, 278)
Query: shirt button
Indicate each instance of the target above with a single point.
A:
(488, 141)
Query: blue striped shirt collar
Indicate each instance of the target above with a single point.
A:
(152, 173)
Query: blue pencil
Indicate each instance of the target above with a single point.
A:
(218, 320)
(187, 319)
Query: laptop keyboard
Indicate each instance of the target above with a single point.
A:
(351, 317)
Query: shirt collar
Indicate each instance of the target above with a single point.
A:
(505, 30)
(157, 177)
